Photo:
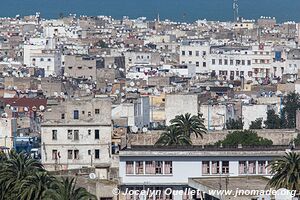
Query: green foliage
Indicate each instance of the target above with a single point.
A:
(245, 137)
(189, 124)
(172, 136)
(181, 129)
(273, 120)
(297, 140)
(291, 104)
(286, 172)
(101, 44)
(256, 124)
(24, 178)
(233, 124)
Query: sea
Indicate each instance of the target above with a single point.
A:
(175, 10)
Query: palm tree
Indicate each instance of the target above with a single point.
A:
(14, 169)
(286, 172)
(65, 189)
(189, 124)
(173, 136)
(34, 187)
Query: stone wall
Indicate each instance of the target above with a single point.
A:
(278, 136)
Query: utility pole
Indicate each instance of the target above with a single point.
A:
(235, 10)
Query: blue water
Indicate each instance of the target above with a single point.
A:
(176, 10)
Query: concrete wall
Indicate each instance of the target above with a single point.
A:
(252, 112)
(278, 136)
(180, 104)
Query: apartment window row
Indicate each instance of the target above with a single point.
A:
(149, 167)
(230, 62)
(42, 59)
(76, 113)
(261, 61)
(215, 167)
(234, 73)
(253, 167)
(191, 53)
(74, 154)
(74, 134)
(262, 53)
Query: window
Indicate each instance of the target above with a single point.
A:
(42, 59)
(129, 167)
(248, 62)
(190, 53)
(168, 167)
(231, 62)
(89, 152)
(261, 167)
(70, 134)
(54, 134)
(205, 167)
(213, 61)
(97, 154)
(237, 73)
(139, 167)
(204, 64)
(76, 134)
(204, 53)
(89, 132)
(62, 116)
(243, 62)
(225, 167)
(97, 111)
(158, 167)
(183, 53)
(215, 167)
(149, 168)
(242, 167)
(49, 59)
(250, 73)
(76, 114)
(54, 154)
(97, 135)
(220, 61)
(252, 167)
(70, 154)
(197, 64)
(76, 154)
(197, 53)
(83, 112)
(89, 114)
(225, 62)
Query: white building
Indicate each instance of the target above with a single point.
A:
(161, 168)
(77, 134)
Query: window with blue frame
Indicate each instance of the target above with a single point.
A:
(76, 114)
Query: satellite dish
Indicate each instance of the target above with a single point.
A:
(92, 176)
(25, 109)
(131, 84)
(4, 115)
(134, 129)
(207, 88)
(117, 92)
(144, 129)
(122, 94)
(230, 86)
(42, 107)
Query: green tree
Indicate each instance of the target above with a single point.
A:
(245, 137)
(256, 124)
(172, 136)
(286, 172)
(189, 124)
(273, 120)
(291, 103)
(297, 140)
(65, 189)
(233, 124)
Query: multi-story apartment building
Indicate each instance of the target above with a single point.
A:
(77, 134)
(161, 168)
(196, 53)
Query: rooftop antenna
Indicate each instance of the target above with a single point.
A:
(235, 10)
